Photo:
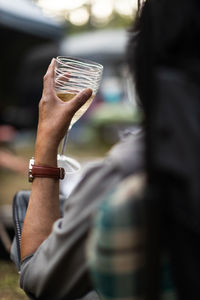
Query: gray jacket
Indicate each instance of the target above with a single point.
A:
(58, 269)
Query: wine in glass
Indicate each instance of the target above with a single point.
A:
(72, 75)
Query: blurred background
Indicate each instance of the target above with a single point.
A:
(32, 32)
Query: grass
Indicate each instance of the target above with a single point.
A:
(9, 285)
(10, 183)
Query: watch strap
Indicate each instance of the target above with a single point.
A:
(52, 172)
(45, 172)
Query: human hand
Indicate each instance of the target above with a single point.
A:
(55, 115)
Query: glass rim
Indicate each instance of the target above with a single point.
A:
(79, 60)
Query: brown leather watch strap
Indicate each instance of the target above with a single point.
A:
(48, 172)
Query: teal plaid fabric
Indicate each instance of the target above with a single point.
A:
(116, 246)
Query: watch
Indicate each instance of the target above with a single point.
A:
(44, 171)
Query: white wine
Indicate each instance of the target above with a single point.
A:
(65, 97)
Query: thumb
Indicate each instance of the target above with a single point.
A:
(79, 100)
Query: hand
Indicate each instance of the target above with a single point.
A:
(55, 115)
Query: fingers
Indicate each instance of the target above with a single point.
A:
(79, 100)
(48, 81)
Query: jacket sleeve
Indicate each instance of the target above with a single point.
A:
(58, 268)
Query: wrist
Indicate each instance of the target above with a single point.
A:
(45, 152)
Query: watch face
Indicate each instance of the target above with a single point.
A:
(30, 176)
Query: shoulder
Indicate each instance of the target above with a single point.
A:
(128, 191)
(121, 216)
(115, 247)
(123, 207)
(128, 154)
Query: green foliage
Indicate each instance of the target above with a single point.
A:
(9, 282)
(116, 21)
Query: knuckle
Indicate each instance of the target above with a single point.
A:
(45, 77)
(40, 104)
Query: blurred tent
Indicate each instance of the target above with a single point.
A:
(106, 45)
(25, 16)
(23, 30)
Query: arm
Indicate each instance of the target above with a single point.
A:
(54, 120)
(64, 249)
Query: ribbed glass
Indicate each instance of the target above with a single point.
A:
(75, 74)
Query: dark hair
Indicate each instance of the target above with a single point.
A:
(167, 34)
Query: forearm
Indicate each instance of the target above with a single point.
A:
(54, 119)
(43, 208)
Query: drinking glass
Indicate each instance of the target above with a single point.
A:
(72, 75)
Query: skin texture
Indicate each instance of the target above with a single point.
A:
(54, 120)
